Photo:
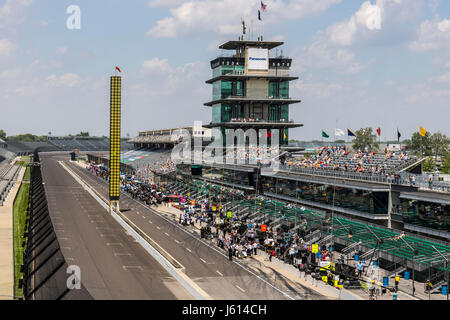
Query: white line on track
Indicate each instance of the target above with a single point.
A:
(220, 273)
(167, 234)
(132, 267)
(240, 288)
(203, 260)
(158, 228)
(177, 241)
(189, 250)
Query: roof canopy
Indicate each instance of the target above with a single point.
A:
(235, 44)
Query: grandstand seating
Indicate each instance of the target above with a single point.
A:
(84, 143)
(8, 172)
(275, 213)
(389, 165)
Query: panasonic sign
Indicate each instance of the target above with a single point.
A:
(258, 59)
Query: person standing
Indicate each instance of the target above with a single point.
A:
(255, 248)
(428, 286)
(397, 280)
(394, 294)
(360, 267)
(230, 253)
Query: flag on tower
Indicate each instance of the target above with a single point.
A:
(423, 131)
(263, 7)
(324, 134)
(259, 15)
(350, 133)
(339, 132)
(117, 68)
(398, 135)
(379, 131)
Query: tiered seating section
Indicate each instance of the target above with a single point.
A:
(340, 159)
(84, 144)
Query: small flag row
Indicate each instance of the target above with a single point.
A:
(340, 133)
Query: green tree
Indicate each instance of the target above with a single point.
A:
(439, 144)
(27, 137)
(2, 134)
(429, 165)
(420, 145)
(445, 168)
(365, 138)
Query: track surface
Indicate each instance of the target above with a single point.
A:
(112, 265)
(205, 264)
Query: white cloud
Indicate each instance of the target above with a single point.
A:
(11, 12)
(156, 65)
(62, 50)
(432, 35)
(321, 54)
(371, 20)
(370, 24)
(368, 17)
(164, 3)
(445, 78)
(223, 16)
(66, 80)
(447, 65)
(6, 47)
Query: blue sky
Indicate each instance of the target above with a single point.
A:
(393, 73)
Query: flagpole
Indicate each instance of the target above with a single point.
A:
(335, 132)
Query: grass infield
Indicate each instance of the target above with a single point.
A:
(20, 210)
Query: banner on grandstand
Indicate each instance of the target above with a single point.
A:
(314, 248)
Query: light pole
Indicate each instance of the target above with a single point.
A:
(414, 253)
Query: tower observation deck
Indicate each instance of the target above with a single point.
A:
(250, 90)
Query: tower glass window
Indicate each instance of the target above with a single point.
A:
(284, 113)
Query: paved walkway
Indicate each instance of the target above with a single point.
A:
(7, 243)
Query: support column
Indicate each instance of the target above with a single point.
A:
(390, 207)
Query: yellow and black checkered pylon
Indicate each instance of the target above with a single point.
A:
(114, 144)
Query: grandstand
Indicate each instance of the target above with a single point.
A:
(141, 162)
(84, 143)
(395, 250)
(8, 173)
(62, 144)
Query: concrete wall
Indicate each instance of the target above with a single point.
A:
(257, 88)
